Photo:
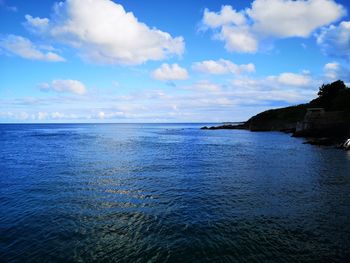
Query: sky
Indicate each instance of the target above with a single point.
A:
(166, 61)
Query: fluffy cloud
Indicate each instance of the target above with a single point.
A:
(243, 30)
(64, 85)
(170, 72)
(334, 71)
(24, 48)
(222, 66)
(36, 24)
(238, 39)
(331, 70)
(287, 18)
(227, 15)
(104, 32)
(292, 79)
(335, 40)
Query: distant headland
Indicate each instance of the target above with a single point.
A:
(324, 120)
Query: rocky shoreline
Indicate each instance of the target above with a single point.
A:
(312, 138)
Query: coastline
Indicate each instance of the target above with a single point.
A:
(322, 121)
(317, 138)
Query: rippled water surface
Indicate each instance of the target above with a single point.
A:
(169, 193)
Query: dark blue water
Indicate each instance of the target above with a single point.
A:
(169, 193)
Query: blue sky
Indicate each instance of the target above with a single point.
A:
(166, 61)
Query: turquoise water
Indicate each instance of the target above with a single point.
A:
(169, 193)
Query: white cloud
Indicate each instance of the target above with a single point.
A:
(101, 115)
(104, 32)
(170, 72)
(10, 115)
(287, 87)
(64, 85)
(36, 24)
(227, 15)
(222, 66)
(287, 18)
(335, 40)
(24, 48)
(238, 39)
(331, 70)
(246, 82)
(292, 79)
(204, 100)
(334, 71)
(57, 115)
(243, 30)
(42, 115)
(204, 85)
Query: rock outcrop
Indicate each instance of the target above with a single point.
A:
(318, 123)
(236, 126)
(346, 145)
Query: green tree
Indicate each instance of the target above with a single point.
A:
(328, 93)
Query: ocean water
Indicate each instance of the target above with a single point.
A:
(169, 193)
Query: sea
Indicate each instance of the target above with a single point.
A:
(169, 193)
